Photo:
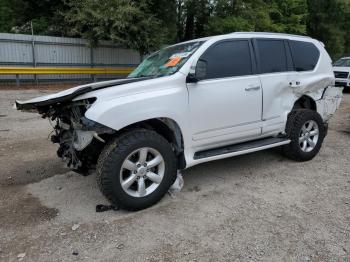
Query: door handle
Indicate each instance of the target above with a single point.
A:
(295, 84)
(252, 88)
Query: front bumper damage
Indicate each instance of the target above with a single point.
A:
(75, 142)
(80, 139)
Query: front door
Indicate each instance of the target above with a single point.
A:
(226, 105)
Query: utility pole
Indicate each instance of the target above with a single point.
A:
(33, 51)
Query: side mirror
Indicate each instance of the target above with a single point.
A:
(191, 78)
(199, 73)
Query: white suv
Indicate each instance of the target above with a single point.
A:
(342, 72)
(190, 103)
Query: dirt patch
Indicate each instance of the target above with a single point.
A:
(22, 209)
(256, 207)
(346, 132)
(38, 161)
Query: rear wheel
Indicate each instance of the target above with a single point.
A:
(306, 130)
(135, 170)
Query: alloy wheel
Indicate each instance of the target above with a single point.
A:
(308, 137)
(142, 172)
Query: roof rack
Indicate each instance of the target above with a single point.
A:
(269, 33)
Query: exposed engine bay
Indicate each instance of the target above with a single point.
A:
(80, 139)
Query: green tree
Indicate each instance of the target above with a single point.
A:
(288, 16)
(328, 21)
(9, 12)
(165, 11)
(126, 22)
(146, 25)
(16, 16)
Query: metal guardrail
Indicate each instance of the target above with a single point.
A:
(62, 70)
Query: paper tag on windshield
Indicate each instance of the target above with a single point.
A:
(182, 55)
(173, 61)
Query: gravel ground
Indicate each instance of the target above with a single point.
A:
(256, 207)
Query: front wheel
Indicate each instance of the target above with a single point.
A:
(136, 169)
(306, 130)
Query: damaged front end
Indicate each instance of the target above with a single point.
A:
(80, 139)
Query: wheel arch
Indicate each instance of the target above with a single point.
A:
(305, 102)
(166, 127)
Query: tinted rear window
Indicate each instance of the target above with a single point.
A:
(272, 56)
(228, 59)
(305, 55)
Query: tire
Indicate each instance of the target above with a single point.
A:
(299, 121)
(114, 169)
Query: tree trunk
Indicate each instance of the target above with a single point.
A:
(189, 29)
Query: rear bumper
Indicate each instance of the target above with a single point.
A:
(330, 102)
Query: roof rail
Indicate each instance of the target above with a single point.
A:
(270, 33)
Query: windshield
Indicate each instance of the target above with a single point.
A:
(166, 61)
(343, 62)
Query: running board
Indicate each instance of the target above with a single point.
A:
(242, 148)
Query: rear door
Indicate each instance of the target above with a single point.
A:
(276, 73)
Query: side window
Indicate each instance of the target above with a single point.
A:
(272, 56)
(305, 55)
(228, 59)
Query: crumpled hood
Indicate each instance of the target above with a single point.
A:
(69, 94)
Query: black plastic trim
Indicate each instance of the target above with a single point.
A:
(238, 147)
